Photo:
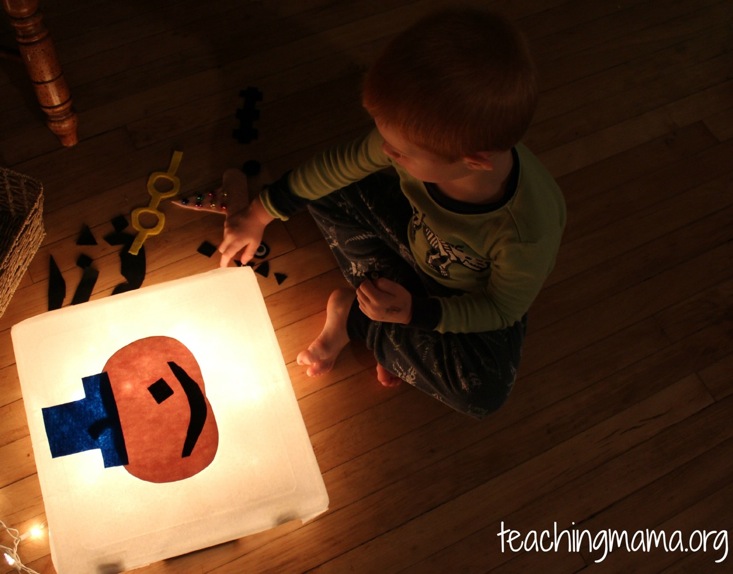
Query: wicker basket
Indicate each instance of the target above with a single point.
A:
(21, 229)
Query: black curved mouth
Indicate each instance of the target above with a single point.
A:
(161, 391)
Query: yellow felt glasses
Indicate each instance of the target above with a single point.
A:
(156, 196)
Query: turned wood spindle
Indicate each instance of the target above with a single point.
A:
(39, 56)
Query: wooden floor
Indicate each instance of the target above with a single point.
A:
(621, 417)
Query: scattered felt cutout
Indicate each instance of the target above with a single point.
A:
(120, 223)
(206, 248)
(280, 277)
(86, 285)
(86, 237)
(251, 168)
(245, 134)
(263, 269)
(247, 115)
(132, 268)
(119, 238)
(83, 261)
(56, 286)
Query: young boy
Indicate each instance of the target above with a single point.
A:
(445, 258)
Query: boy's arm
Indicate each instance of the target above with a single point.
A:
(518, 273)
(521, 256)
(326, 172)
(517, 276)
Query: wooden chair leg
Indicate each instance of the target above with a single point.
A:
(39, 56)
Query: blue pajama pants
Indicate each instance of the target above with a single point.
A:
(366, 227)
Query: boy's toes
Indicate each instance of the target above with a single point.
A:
(305, 358)
(386, 378)
(316, 366)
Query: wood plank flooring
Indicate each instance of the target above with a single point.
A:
(621, 416)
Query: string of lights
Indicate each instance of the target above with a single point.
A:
(11, 554)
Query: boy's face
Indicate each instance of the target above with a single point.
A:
(418, 162)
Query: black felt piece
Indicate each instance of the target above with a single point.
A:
(251, 168)
(160, 390)
(86, 285)
(207, 249)
(119, 238)
(280, 277)
(56, 286)
(132, 268)
(120, 222)
(245, 135)
(87, 424)
(83, 261)
(247, 115)
(86, 237)
(263, 269)
(197, 402)
(251, 95)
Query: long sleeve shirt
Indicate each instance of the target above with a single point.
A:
(495, 258)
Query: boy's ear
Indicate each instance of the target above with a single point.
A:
(480, 160)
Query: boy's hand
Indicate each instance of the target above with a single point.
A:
(384, 300)
(243, 231)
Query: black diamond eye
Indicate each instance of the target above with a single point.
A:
(160, 390)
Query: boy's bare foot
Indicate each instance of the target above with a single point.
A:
(231, 197)
(321, 354)
(386, 378)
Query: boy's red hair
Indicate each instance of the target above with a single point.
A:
(455, 83)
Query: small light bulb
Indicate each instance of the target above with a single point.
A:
(36, 532)
(9, 559)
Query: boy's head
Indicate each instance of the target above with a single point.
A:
(455, 83)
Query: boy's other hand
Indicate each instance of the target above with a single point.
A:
(243, 232)
(384, 300)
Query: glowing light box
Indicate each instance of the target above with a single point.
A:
(163, 421)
